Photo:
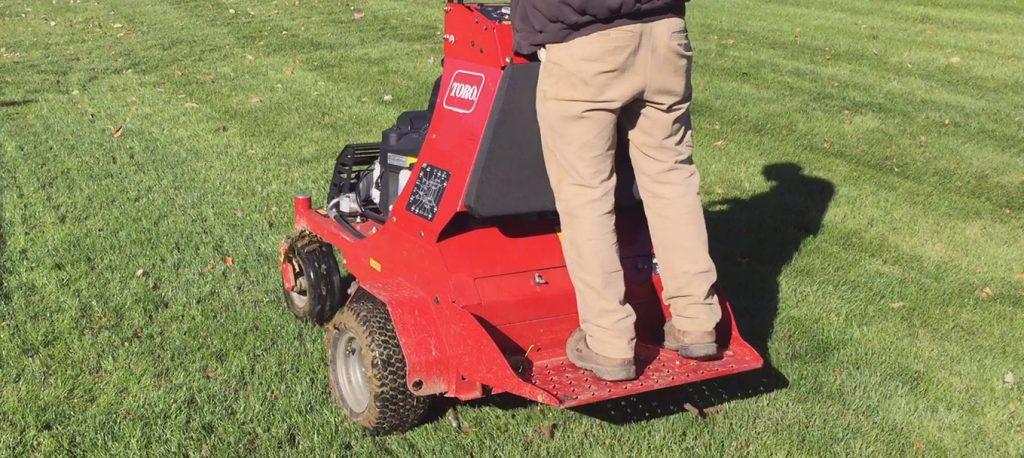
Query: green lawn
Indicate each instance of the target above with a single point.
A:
(884, 280)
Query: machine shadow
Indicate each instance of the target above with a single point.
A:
(752, 240)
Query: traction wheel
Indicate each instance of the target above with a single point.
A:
(367, 368)
(318, 293)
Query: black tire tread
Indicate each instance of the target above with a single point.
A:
(393, 408)
(323, 277)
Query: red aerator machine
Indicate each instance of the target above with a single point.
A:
(448, 227)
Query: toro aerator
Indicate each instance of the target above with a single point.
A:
(448, 225)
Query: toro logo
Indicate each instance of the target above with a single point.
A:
(463, 91)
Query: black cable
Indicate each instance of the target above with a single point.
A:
(350, 227)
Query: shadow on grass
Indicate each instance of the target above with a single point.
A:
(752, 241)
(15, 103)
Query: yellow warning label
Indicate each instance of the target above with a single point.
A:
(375, 264)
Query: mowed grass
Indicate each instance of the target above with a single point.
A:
(140, 307)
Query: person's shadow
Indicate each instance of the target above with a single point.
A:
(752, 241)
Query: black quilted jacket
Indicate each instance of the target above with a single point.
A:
(541, 22)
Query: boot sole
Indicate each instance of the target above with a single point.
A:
(606, 373)
(700, 352)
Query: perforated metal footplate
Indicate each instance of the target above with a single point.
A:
(659, 368)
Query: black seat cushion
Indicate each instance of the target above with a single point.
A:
(509, 177)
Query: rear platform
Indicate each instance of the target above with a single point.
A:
(659, 368)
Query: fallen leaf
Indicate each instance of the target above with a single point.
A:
(896, 305)
(229, 261)
(118, 132)
(985, 294)
(256, 100)
(693, 410)
(431, 61)
(140, 272)
(954, 60)
(210, 375)
(1009, 379)
(719, 190)
(839, 374)
(722, 142)
(548, 430)
(714, 410)
(238, 213)
(948, 121)
(191, 105)
(453, 418)
(358, 15)
(919, 445)
(730, 42)
(288, 71)
(388, 98)
(1019, 277)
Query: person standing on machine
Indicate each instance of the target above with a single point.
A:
(608, 65)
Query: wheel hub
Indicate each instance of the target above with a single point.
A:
(352, 379)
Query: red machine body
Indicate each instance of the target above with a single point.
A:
(483, 307)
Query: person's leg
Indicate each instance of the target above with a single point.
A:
(582, 86)
(661, 149)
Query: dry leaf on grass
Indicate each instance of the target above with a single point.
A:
(693, 410)
(118, 132)
(288, 71)
(1009, 379)
(919, 445)
(229, 261)
(896, 305)
(722, 142)
(358, 15)
(140, 272)
(985, 294)
(256, 100)
(1019, 277)
(548, 430)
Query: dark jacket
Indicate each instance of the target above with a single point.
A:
(540, 22)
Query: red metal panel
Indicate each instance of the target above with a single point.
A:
(471, 37)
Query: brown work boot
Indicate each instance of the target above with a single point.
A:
(698, 345)
(605, 368)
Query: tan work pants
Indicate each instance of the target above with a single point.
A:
(638, 73)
